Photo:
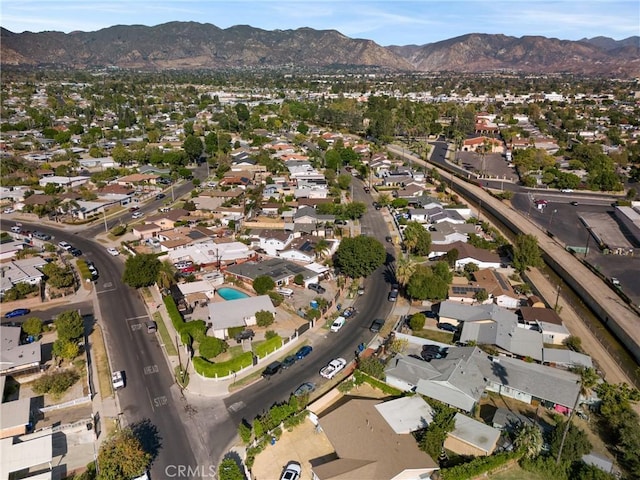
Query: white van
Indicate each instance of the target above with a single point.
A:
(285, 292)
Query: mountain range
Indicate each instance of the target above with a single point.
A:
(191, 45)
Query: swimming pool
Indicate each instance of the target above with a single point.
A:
(229, 293)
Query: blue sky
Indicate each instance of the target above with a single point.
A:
(387, 22)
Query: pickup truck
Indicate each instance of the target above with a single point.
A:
(332, 369)
(117, 379)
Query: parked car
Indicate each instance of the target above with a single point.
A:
(349, 312)
(117, 380)
(304, 351)
(316, 287)
(393, 294)
(338, 323)
(76, 252)
(285, 292)
(41, 236)
(291, 471)
(246, 334)
(272, 369)
(113, 251)
(18, 312)
(430, 314)
(377, 325)
(447, 327)
(304, 389)
(333, 368)
(288, 361)
(65, 246)
(152, 327)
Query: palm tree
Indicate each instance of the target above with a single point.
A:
(404, 270)
(588, 379)
(321, 248)
(529, 439)
(166, 275)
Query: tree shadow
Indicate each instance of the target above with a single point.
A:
(499, 371)
(148, 436)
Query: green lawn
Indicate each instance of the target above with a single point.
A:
(435, 335)
(164, 334)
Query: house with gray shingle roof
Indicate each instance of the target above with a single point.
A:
(493, 325)
(236, 313)
(528, 382)
(280, 270)
(455, 379)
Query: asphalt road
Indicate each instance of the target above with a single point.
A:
(150, 401)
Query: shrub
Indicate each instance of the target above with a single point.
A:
(417, 321)
(276, 298)
(269, 334)
(477, 466)
(263, 284)
(119, 230)
(55, 383)
(32, 326)
(264, 318)
(298, 279)
(66, 349)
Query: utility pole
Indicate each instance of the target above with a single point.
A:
(104, 216)
(555, 308)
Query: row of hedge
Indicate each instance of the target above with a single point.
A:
(361, 377)
(478, 466)
(188, 331)
(213, 370)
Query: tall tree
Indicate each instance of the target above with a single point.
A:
(69, 325)
(141, 270)
(122, 456)
(526, 252)
(417, 239)
(405, 268)
(193, 147)
(360, 256)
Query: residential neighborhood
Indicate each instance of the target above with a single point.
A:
(239, 234)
